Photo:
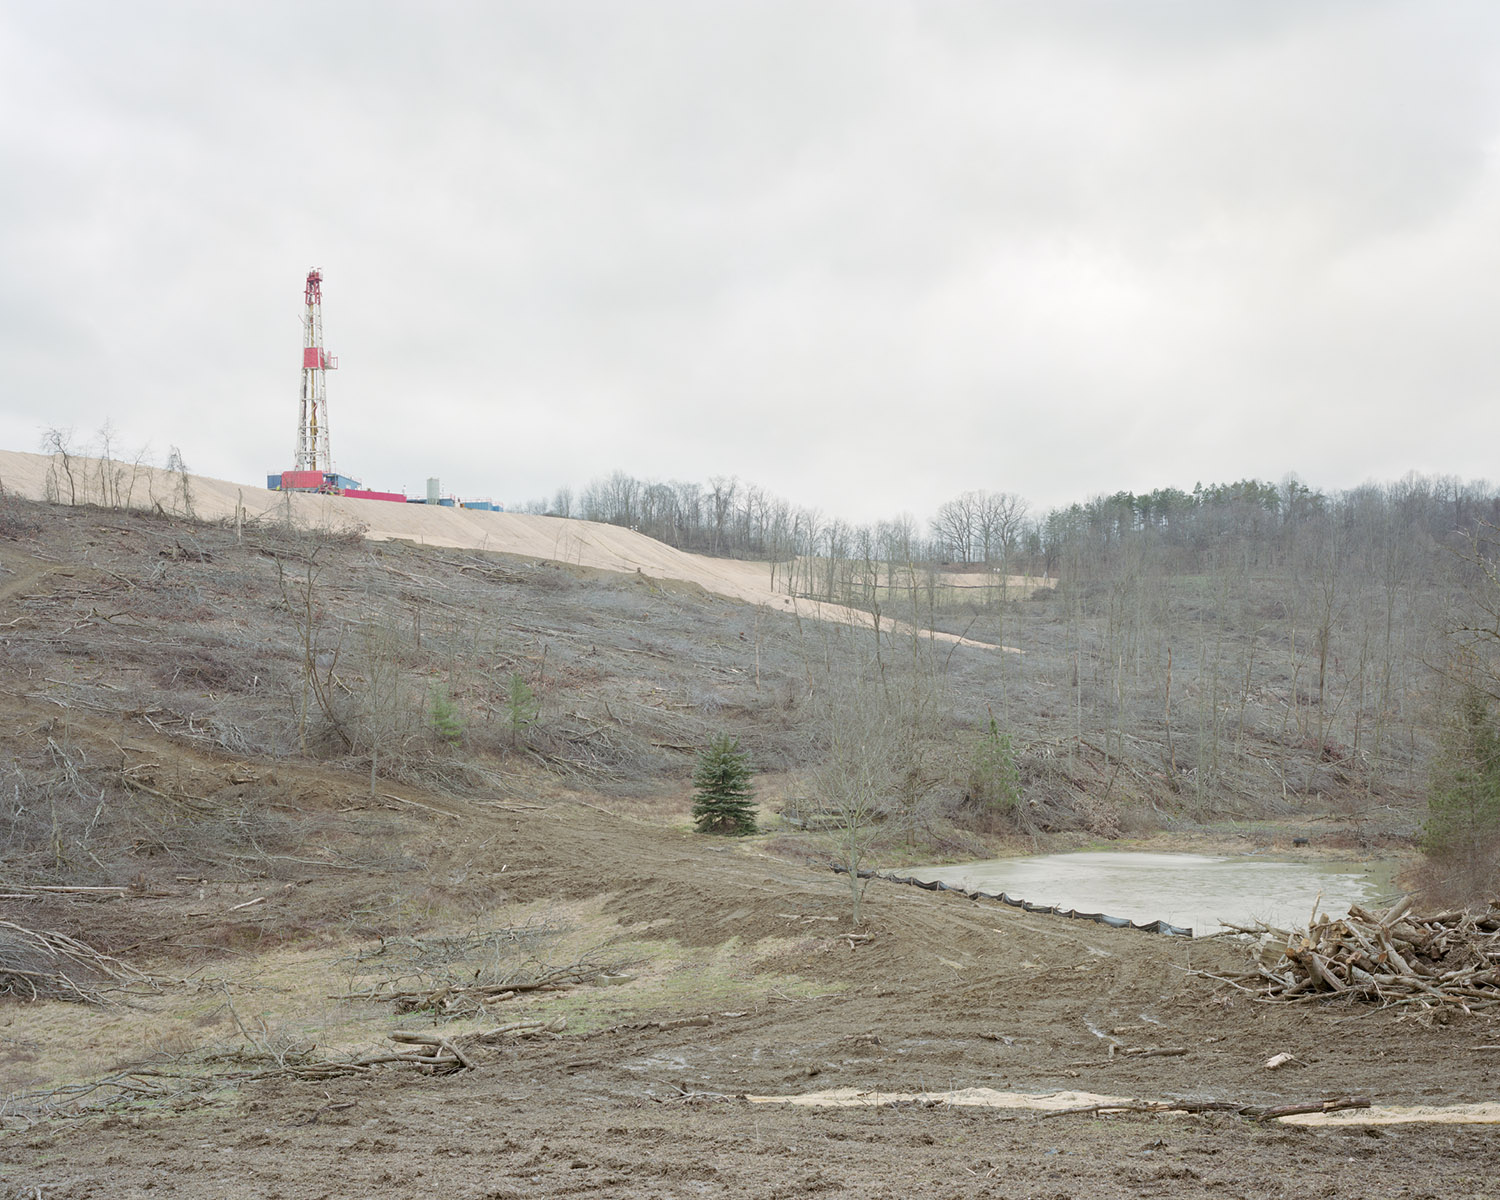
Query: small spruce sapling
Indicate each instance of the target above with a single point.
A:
(446, 722)
(723, 801)
(521, 707)
(994, 776)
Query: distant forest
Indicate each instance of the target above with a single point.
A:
(1250, 524)
(1244, 648)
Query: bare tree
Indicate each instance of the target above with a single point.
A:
(954, 527)
(883, 727)
(1000, 518)
(386, 709)
(722, 499)
(104, 453)
(319, 658)
(58, 443)
(852, 789)
(182, 482)
(1474, 637)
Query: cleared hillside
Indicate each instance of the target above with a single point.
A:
(173, 797)
(1139, 701)
(547, 539)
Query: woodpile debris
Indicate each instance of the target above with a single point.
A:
(466, 975)
(41, 965)
(432, 1053)
(1394, 957)
(452, 1000)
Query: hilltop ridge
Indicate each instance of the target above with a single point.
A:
(567, 540)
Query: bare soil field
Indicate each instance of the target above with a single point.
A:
(736, 981)
(286, 919)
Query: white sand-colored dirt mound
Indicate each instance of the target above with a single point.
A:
(551, 539)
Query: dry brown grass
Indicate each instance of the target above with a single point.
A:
(178, 639)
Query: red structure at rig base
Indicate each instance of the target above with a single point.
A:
(329, 484)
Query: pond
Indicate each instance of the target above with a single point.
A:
(1198, 891)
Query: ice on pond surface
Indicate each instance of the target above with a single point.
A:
(1198, 891)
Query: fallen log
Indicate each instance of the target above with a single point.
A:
(1256, 1112)
(437, 1046)
(1297, 1110)
(514, 1029)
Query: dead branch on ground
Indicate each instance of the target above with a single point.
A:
(42, 965)
(431, 1053)
(453, 977)
(452, 1000)
(1395, 957)
(1256, 1112)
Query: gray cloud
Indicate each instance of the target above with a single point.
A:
(866, 254)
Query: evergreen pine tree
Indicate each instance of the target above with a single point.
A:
(521, 707)
(994, 777)
(446, 721)
(1462, 831)
(723, 801)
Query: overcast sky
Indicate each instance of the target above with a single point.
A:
(867, 254)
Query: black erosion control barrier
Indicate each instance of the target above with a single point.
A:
(936, 885)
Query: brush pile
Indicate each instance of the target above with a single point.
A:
(1450, 958)
(430, 1052)
(465, 976)
(452, 1000)
(40, 965)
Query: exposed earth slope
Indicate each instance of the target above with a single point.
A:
(149, 674)
(548, 539)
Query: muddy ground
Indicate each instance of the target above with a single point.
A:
(947, 994)
(266, 892)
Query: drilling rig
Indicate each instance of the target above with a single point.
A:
(312, 469)
(312, 426)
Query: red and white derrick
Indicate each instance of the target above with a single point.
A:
(312, 426)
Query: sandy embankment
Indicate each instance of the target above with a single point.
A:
(552, 539)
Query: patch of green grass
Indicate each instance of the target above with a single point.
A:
(284, 1003)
